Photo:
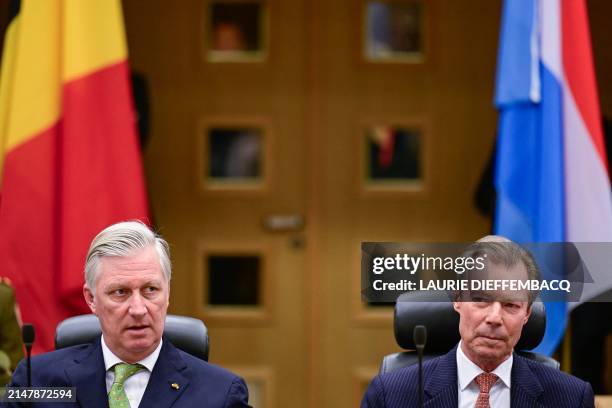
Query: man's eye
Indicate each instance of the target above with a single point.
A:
(118, 292)
(151, 289)
(512, 306)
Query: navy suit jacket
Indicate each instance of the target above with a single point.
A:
(532, 385)
(200, 384)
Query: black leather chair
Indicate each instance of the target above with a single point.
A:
(435, 311)
(186, 333)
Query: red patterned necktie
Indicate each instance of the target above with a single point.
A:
(485, 381)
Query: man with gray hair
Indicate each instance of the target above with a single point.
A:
(483, 371)
(127, 285)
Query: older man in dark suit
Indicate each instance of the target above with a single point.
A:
(483, 371)
(127, 285)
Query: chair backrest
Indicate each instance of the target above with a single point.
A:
(186, 333)
(435, 311)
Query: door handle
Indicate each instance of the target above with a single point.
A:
(283, 222)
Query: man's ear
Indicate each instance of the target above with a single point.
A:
(457, 306)
(89, 298)
(528, 314)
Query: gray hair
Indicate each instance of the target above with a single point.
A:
(502, 251)
(123, 239)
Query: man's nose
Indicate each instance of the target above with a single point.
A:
(137, 306)
(494, 313)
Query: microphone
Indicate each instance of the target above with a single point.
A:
(420, 338)
(27, 333)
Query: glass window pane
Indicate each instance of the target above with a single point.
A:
(235, 31)
(394, 31)
(234, 280)
(234, 154)
(394, 153)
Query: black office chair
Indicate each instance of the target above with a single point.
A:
(186, 333)
(435, 311)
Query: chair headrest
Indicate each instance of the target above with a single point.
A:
(435, 311)
(186, 333)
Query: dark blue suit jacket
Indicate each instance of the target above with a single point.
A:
(200, 384)
(532, 385)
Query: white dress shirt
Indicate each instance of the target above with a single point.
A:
(499, 395)
(136, 384)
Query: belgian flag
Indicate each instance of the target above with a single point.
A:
(69, 155)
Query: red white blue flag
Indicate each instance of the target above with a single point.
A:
(551, 176)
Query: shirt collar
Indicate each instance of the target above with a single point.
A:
(110, 359)
(467, 370)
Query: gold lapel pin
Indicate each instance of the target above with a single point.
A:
(175, 386)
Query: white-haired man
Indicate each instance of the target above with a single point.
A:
(127, 285)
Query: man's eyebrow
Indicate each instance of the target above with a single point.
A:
(152, 282)
(514, 299)
(114, 285)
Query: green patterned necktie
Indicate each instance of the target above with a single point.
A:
(117, 397)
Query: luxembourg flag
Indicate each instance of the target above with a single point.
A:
(551, 176)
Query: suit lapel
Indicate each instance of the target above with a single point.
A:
(88, 375)
(441, 385)
(166, 377)
(525, 388)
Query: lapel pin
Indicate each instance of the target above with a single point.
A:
(175, 386)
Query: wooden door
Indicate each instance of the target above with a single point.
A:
(250, 222)
(444, 96)
(289, 318)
